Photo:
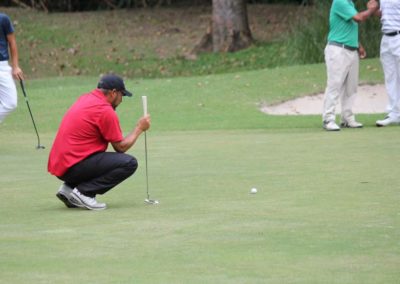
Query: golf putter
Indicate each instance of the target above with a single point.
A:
(39, 146)
(147, 200)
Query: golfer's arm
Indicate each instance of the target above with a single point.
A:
(364, 15)
(129, 140)
(13, 50)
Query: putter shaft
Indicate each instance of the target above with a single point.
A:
(147, 170)
(39, 146)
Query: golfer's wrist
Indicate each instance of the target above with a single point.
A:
(371, 11)
(139, 129)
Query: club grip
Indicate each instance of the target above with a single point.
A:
(144, 101)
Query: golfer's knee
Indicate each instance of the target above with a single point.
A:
(14, 104)
(9, 103)
(5, 110)
(131, 165)
(10, 106)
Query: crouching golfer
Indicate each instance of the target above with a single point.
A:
(78, 155)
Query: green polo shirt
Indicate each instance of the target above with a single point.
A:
(342, 28)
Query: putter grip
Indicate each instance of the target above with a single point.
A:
(144, 101)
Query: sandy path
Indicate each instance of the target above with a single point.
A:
(370, 99)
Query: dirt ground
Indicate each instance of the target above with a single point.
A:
(370, 99)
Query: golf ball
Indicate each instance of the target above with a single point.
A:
(253, 190)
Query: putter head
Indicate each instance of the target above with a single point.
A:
(40, 147)
(151, 201)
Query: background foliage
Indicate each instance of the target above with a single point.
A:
(87, 5)
(159, 42)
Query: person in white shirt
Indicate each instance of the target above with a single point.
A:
(390, 58)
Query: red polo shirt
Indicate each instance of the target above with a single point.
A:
(87, 128)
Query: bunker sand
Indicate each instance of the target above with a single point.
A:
(370, 99)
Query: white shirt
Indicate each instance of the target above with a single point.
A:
(390, 15)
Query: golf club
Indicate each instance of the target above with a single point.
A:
(147, 200)
(39, 146)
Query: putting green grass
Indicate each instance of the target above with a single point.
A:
(326, 211)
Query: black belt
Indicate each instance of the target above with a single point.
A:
(393, 33)
(342, 45)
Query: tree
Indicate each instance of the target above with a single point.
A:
(229, 29)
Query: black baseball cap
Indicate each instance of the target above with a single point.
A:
(111, 82)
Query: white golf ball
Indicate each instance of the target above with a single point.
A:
(253, 190)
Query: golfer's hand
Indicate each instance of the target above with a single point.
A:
(362, 53)
(144, 122)
(372, 5)
(17, 73)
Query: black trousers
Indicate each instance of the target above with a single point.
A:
(100, 172)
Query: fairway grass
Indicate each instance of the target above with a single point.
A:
(326, 211)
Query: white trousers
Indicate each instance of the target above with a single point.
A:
(342, 66)
(390, 59)
(8, 90)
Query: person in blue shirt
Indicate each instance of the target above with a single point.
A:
(8, 56)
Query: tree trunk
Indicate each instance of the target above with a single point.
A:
(229, 30)
(230, 26)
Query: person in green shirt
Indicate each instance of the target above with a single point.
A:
(342, 54)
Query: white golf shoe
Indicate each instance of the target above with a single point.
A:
(387, 121)
(86, 201)
(331, 126)
(351, 124)
(64, 194)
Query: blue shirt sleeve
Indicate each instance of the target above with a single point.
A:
(6, 28)
(6, 24)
